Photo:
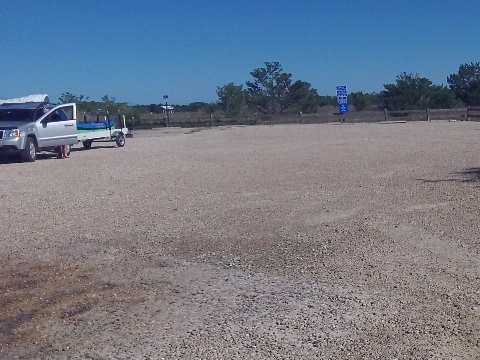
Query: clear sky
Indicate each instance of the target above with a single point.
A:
(139, 50)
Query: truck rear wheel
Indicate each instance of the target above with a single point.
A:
(87, 144)
(29, 153)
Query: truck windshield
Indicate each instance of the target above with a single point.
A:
(16, 115)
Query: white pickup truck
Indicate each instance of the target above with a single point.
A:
(31, 124)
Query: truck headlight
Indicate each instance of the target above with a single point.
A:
(12, 133)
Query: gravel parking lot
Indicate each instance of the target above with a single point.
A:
(348, 241)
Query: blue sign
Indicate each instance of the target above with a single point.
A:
(342, 99)
(342, 90)
(342, 108)
(165, 97)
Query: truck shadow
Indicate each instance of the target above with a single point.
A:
(7, 158)
(16, 159)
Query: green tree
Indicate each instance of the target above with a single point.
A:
(466, 83)
(272, 91)
(108, 101)
(443, 98)
(197, 106)
(68, 97)
(155, 108)
(111, 105)
(132, 116)
(412, 92)
(359, 100)
(363, 100)
(302, 97)
(231, 98)
(326, 100)
(211, 108)
(268, 91)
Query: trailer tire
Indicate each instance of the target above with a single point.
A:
(29, 153)
(120, 140)
(87, 144)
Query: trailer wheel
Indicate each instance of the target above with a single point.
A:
(87, 144)
(120, 140)
(29, 154)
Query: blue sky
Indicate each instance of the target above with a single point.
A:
(139, 50)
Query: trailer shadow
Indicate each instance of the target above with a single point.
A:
(466, 175)
(470, 174)
(93, 148)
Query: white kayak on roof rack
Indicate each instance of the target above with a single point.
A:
(40, 98)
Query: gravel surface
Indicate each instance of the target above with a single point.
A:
(268, 242)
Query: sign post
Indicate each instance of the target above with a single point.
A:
(165, 98)
(342, 99)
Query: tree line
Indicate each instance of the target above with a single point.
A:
(273, 91)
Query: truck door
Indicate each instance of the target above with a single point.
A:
(57, 127)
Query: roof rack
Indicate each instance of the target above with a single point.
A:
(36, 98)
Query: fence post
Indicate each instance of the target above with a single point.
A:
(428, 115)
(385, 112)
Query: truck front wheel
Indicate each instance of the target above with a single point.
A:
(29, 153)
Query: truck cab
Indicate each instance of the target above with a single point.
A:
(28, 125)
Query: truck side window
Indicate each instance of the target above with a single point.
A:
(66, 112)
(55, 116)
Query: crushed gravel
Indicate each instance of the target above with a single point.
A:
(356, 241)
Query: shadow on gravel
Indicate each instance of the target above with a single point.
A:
(12, 159)
(471, 174)
(7, 158)
(94, 147)
(467, 175)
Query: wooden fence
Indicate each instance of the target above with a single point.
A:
(459, 114)
(324, 115)
(473, 113)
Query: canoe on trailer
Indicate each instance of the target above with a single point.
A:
(94, 125)
(89, 131)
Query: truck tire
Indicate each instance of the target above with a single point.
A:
(87, 144)
(120, 140)
(29, 153)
